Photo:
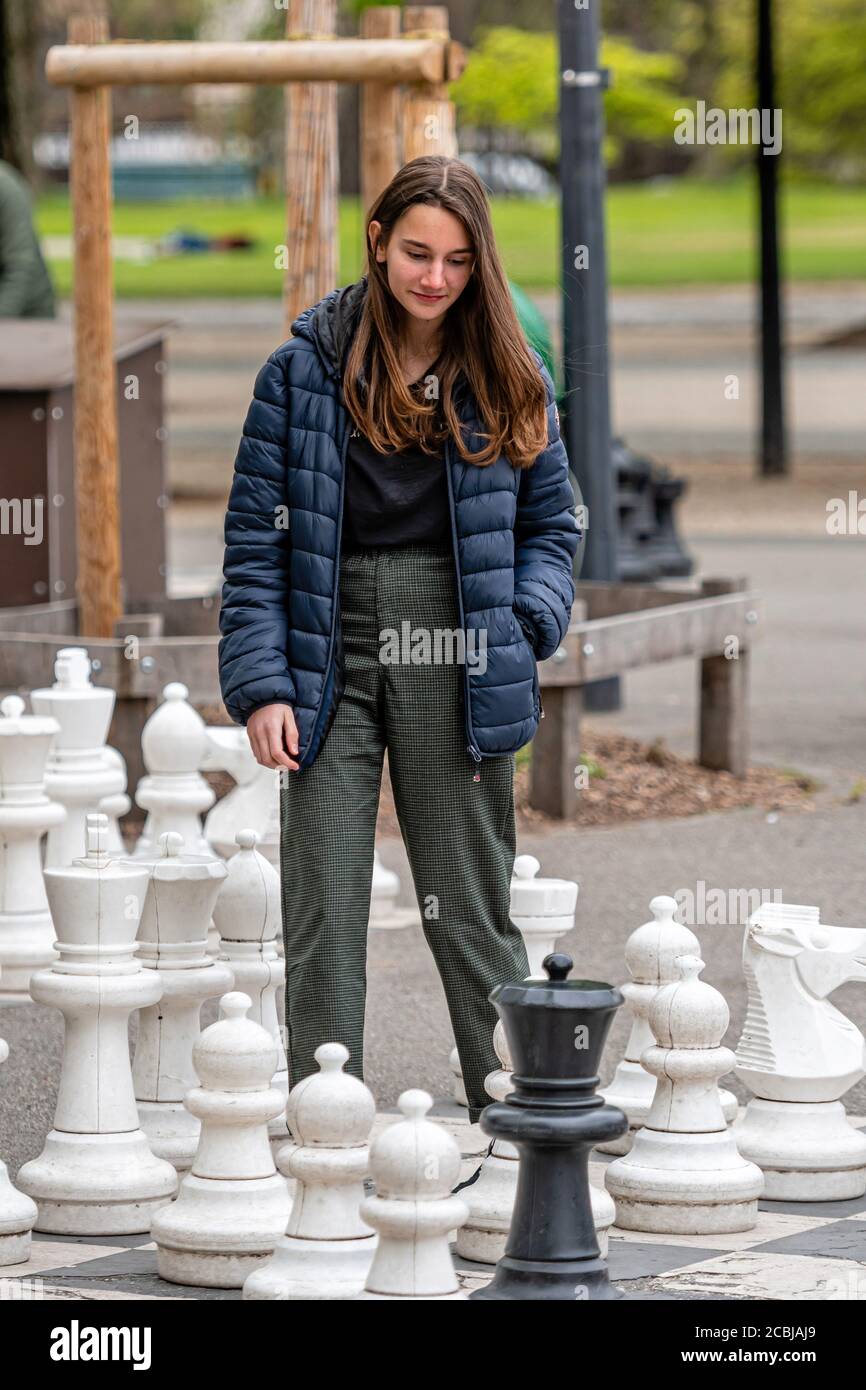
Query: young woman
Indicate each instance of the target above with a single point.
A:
(400, 540)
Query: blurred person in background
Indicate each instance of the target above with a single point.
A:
(26, 291)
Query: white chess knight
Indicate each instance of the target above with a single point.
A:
(415, 1164)
(683, 1174)
(490, 1197)
(327, 1248)
(96, 1174)
(233, 1205)
(247, 917)
(172, 941)
(543, 910)
(18, 1212)
(174, 743)
(799, 1054)
(26, 930)
(78, 774)
(650, 954)
(250, 802)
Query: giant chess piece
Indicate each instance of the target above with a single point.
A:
(78, 774)
(173, 744)
(26, 930)
(556, 1029)
(543, 910)
(172, 941)
(650, 954)
(385, 915)
(116, 804)
(233, 1205)
(96, 1174)
(247, 917)
(270, 845)
(415, 1164)
(327, 1248)
(799, 1054)
(683, 1173)
(249, 801)
(490, 1197)
(18, 1212)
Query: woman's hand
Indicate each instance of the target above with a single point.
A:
(273, 735)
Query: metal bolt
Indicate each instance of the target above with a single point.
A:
(560, 655)
(96, 664)
(148, 664)
(588, 649)
(751, 616)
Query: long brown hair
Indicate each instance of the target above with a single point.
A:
(482, 337)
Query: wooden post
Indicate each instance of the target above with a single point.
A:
(95, 424)
(312, 267)
(429, 126)
(380, 113)
(723, 738)
(556, 746)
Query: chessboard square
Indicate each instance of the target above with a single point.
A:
(850, 1206)
(147, 1286)
(770, 1226)
(757, 1274)
(840, 1240)
(55, 1254)
(114, 1242)
(135, 1260)
(636, 1260)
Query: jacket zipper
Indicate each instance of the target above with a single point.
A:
(470, 747)
(336, 593)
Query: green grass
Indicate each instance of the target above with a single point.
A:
(676, 232)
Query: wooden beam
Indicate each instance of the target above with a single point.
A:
(429, 124)
(723, 731)
(95, 419)
(312, 172)
(423, 59)
(379, 134)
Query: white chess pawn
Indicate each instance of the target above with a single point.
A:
(173, 744)
(26, 930)
(385, 915)
(650, 954)
(172, 940)
(233, 1205)
(490, 1197)
(18, 1212)
(327, 1248)
(77, 774)
(684, 1174)
(269, 845)
(415, 1164)
(96, 1174)
(247, 917)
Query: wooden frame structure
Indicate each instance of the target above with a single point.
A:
(407, 73)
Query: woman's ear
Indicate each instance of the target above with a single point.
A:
(374, 232)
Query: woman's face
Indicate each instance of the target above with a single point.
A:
(428, 260)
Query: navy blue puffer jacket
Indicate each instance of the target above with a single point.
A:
(515, 537)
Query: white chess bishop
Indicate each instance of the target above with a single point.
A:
(798, 1054)
(327, 1248)
(650, 954)
(78, 774)
(174, 743)
(683, 1174)
(233, 1205)
(96, 1174)
(26, 930)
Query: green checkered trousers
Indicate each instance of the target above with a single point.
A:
(459, 832)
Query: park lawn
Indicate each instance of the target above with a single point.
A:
(668, 232)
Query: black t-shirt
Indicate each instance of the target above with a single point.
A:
(394, 499)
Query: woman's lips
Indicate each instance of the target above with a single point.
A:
(428, 298)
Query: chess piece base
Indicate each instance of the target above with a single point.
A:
(808, 1150)
(313, 1269)
(572, 1280)
(685, 1184)
(97, 1184)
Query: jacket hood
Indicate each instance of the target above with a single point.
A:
(330, 325)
